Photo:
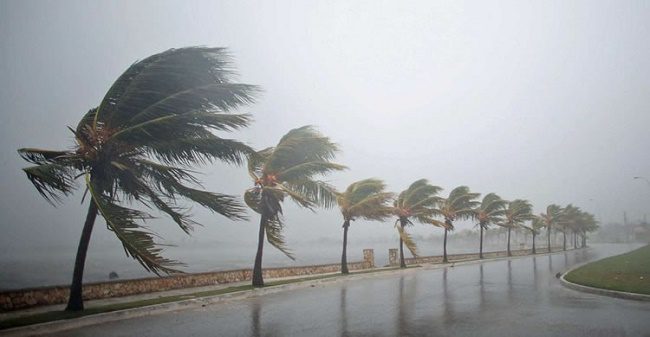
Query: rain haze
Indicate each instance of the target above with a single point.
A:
(546, 101)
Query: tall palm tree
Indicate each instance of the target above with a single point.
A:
(517, 212)
(154, 124)
(459, 205)
(551, 219)
(288, 169)
(570, 216)
(364, 199)
(417, 203)
(490, 211)
(536, 224)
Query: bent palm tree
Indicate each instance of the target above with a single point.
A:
(418, 203)
(517, 212)
(288, 169)
(154, 123)
(551, 219)
(490, 211)
(570, 216)
(365, 199)
(536, 224)
(458, 206)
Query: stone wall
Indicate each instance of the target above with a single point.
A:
(26, 298)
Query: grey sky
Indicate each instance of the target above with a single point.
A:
(547, 100)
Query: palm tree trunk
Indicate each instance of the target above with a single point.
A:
(480, 249)
(344, 257)
(564, 238)
(258, 280)
(509, 254)
(548, 237)
(444, 248)
(402, 263)
(75, 301)
(534, 243)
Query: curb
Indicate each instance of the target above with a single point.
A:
(600, 291)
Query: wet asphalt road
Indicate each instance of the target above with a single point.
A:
(518, 297)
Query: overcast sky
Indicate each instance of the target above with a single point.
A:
(544, 100)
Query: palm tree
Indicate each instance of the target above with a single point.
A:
(365, 199)
(490, 211)
(536, 224)
(517, 212)
(154, 123)
(288, 169)
(570, 215)
(415, 203)
(551, 219)
(459, 205)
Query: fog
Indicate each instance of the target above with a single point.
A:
(546, 101)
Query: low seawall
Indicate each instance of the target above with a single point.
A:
(32, 297)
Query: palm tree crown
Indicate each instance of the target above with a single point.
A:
(365, 199)
(460, 205)
(155, 123)
(417, 203)
(517, 212)
(490, 211)
(289, 169)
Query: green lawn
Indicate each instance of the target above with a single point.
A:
(61, 315)
(629, 272)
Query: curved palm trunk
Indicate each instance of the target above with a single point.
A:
(534, 243)
(548, 237)
(509, 254)
(480, 249)
(258, 280)
(75, 301)
(444, 253)
(344, 257)
(402, 263)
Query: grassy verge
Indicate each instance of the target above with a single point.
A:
(61, 315)
(629, 272)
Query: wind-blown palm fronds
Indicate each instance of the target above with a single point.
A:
(460, 205)
(517, 212)
(156, 122)
(289, 169)
(490, 211)
(364, 199)
(415, 203)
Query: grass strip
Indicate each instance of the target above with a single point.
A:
(629, 272)
(62, 315)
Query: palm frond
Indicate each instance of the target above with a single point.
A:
(316, 192)
(52, 181)
(189, 151)
(275, 237)
(308, 169)
(137, 243)
(408, 241)
(299, 146)
(176, 81)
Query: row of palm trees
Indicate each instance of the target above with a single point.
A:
(420, 202)
(157, 122)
